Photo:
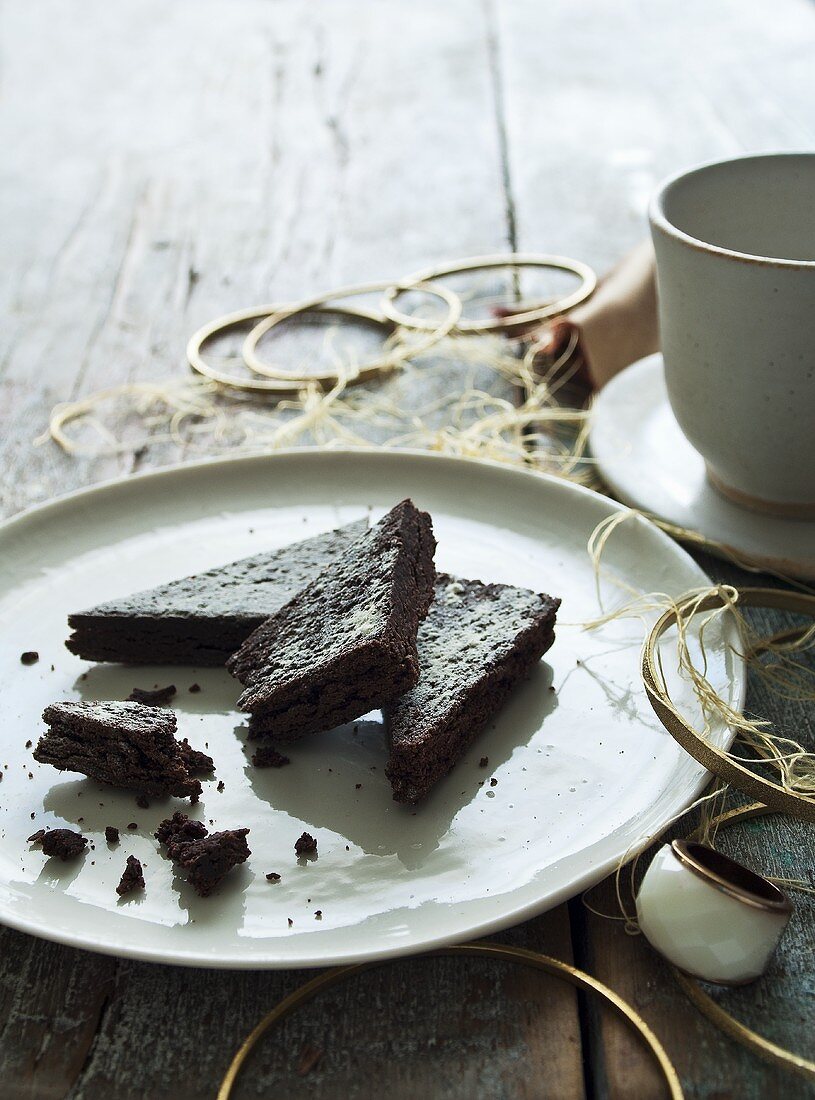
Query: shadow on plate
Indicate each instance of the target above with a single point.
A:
(218, 694)
(330, 765)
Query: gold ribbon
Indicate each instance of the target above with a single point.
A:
(481, 949)
(716, 760)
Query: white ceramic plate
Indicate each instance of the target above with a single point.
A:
(646, 460)
(583, 771)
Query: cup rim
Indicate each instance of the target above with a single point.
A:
(659, 220)
(731, 877)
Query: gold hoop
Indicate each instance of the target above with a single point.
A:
(293, 382)
(485, 950)
(716, 760)
(715, 1013)
(386, 363)
(480, 263)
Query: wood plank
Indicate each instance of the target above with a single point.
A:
(172, 163)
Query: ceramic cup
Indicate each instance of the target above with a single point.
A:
(709, 915)
(735, 252)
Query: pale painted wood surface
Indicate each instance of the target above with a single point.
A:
(166, 162)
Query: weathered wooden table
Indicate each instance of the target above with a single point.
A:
(164, 162)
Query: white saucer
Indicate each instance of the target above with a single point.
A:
(648, 463)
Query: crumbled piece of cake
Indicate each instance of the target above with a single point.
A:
(63, 843)
(306, 845)
(132, 877)
(126, 744)
(156, 697)
(266, 756)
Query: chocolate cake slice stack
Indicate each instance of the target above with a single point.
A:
(476, 643)
(345, 644)
(202, 619)
(126, 745)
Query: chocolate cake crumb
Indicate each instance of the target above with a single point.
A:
(221, 785)
(155, 698)
(483, 762)
(132, 877)
(318, 914)
(111, 834)
(178, 830)
(268, 757)
(207, 860)
(143, 802)
(493, 782)
(35, 838)
(291, 922)
(30, 657)
(194, 759)
(63, 843)
(132, 825)
(273, 876)
(357, 786)
(28, 744)
(306, 845)
(194, 689)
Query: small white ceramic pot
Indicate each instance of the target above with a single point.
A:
(709, 915)
(735, 250)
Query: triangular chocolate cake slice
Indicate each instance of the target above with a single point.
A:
(476, 643)
(200, 620)
(126, 745)
(346, 644)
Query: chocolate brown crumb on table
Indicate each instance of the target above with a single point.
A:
(111, 834)
(194, 689)
(273, 876)
(65, 844)
(30, 657)
(132, 877)
(156, 697)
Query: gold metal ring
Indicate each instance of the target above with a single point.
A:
(293, 382)
(495, 951)
(587, 276)
(716, 760)
(710, 1008)
(386, 363)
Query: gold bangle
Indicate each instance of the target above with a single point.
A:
(392, 359)
(587, 276)
(482, 949)
(293, 382)
(716, 760)
(715, 1013)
